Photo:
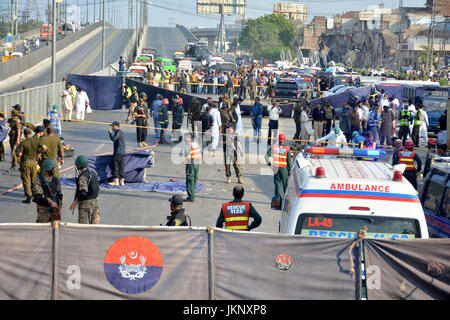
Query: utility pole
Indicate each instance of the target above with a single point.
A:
(103, 38)
(221, 44)
(12, 18)
(55, 31)
(87, 12)
(137, 26)
(399, 36)
(65, 18)
(17, 19)
(428, 63)
(130, 28)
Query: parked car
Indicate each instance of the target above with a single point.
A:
(343, 89)
(434, 196)
(131, 75)
(333, 90)
(139, 69)
(286, 90)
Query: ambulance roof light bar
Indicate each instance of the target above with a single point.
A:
(370, 153)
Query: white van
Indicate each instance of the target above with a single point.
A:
(185, 65)
(337, 197)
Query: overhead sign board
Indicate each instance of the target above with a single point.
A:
(230, 7)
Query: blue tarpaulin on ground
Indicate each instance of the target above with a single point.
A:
(166, 186)
(135, 165)
(105, 93)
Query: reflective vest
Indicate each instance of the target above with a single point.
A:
(195, 153)
(404, 118)
(417, 118)
(407, 157)
(279, 154)
(236, 215)
(363, 146)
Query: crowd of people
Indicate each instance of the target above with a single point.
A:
(247, 82)
(363, 122)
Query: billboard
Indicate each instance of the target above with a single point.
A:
(230, 7)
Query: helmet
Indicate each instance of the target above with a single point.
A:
(355, 133)
(48, 165)
(55, 107)
(179, 101)
(165, 101)
(409, 144)
(134, 88)
(81, 161)
(143, 94)
(282, 137)
(337, 130)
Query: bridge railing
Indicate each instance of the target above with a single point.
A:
(19, 65)
(189, 35)
(36, 101)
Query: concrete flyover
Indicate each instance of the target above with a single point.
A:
(212, 34)
(165, 40)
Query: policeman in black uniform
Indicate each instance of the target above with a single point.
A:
(177, 216)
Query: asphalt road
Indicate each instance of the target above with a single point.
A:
(165, 40)
(85, 58)
(121, 207)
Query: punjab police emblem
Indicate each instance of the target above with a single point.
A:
(133, 264)
(283, 262)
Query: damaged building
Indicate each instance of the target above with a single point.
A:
(369, 38)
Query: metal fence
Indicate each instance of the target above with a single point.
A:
(36, 101)
(19, 65)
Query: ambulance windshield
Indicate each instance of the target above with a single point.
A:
(340, 226)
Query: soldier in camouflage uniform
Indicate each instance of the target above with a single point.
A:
(86, 195)
(47, 194)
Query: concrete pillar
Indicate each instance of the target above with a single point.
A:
(211, 42)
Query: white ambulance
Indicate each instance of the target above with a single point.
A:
(338, 197)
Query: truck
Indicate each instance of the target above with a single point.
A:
(46, 32)
(166, 64)
(433, 97)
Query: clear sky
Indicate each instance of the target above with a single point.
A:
(164, 13)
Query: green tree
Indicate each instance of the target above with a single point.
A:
(266, 36)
